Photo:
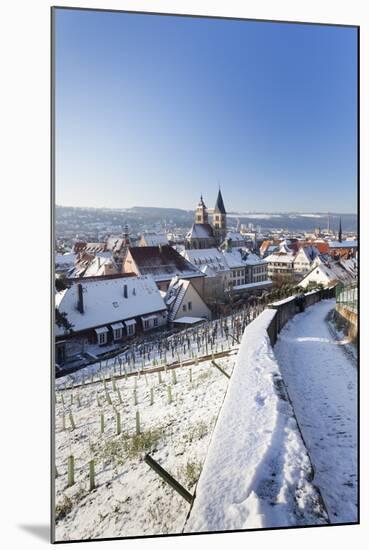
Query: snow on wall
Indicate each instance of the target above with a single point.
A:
(257, 472)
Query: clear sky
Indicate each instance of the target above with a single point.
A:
(154, 110)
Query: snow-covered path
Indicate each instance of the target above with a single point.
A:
(322, 385)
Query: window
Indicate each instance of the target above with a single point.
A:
(117, 333)
(155, 322)
(184, 307)
(146, 324)
(189, 306)
(131, 330)
(102, 338)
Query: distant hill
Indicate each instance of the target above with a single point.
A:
(138, 215)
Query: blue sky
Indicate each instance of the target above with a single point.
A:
(154, 110)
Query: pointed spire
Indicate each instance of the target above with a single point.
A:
(201, 203)
(340, 232)
(219, 205)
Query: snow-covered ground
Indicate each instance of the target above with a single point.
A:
(130, 499)
(257, 472)
(322, 384)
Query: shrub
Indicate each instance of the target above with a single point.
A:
(196, 431)
(63, 508)
(192, 473)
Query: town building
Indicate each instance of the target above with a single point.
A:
(104, 312)
(330, 273)
(343, 249)
(184, 303)
(304, 259)
(280, 262)
(217, 274)
(162, 263)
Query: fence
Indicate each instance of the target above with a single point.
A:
(347, 296)
(286, 309)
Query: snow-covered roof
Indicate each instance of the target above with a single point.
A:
(235, 236)
(253, 259)
(259, 284)
(279, 257)
(162, 263)
(175, 293)
(94, 266)
(189, 320)
(343, 244)
(208, 271)
(154, 239)
(101, 330)
(117, 326)
(115, 244)
(308, 252)
(200, 231)
(329, 272)
(65, 260)
(233, 257)
(104, 302)
(207, 256)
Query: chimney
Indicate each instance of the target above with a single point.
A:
(125, 291)
(80, 299)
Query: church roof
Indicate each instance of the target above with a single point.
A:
(200, 231)
(219, 205)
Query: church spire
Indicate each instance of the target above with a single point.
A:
(340, 232)
(219, 205)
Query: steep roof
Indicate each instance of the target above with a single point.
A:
(175, 293)
(162, 262)
(104, 302)
(343, 244)
(154, 239)
(219, 205)
(207, 256)
(330, 271)
(200, 231)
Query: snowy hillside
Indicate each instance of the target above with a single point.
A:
(130, 499)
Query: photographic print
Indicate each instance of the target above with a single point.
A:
(205, 272)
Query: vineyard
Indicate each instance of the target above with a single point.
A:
(211, 338)
(162, 400)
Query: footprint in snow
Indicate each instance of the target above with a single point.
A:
(260, 399)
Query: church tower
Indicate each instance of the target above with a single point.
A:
(220, 220)
(201, 212)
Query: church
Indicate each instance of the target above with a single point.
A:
(203, 234)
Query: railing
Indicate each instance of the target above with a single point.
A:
(347, 296)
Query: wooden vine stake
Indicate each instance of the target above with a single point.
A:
(71, 419)
(92, 474)
(138, 425)
(174, 376)
(119, 429)
(119, 397)
(70, 471)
